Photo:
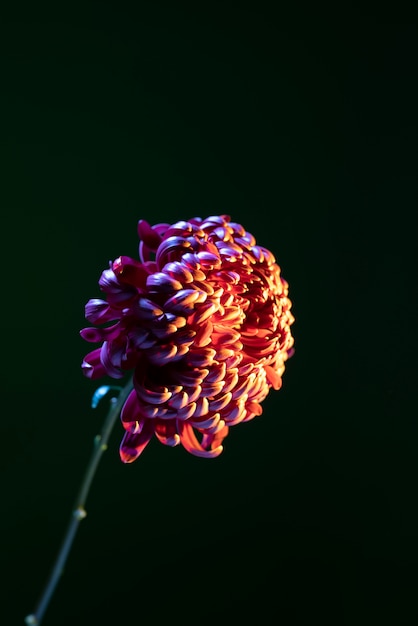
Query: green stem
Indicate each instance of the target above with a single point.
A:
(79, 513)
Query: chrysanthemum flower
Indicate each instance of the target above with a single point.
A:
(202, 320)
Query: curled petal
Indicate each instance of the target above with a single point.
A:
(216, 373)
(130, 271)
(187, 411)
(209, 260)
(216, 438)
(212, 389)
(226, 335)
(147, 309)
(273, 377)
(254, 407)
(208, 289)
(224, 353)
(229, 251)
(178, 400)
(203, 335)
(231, 380)
(190, 442)
(202, 407)
(181, 351)
(166, 432)
(237, 229)
(180, 228)
(111, 358)
(140, 338)
(133, 444)
(222, 233)
(214, 220)
(171, 249)
(245, 369)
(148, 235)
(190, 377)
(204, 312)
(235, 415)
(177, 270)
(98, 311)
(163, 282)
(198, 275)
(191, 261)
(93, 335)
(117, 294)
(131, 411)
(194, 392)
(92, 366)
(233, 361)
(213, 430)
(162, 354)
(182, 301)
(243, 386)
(152, 396)
(206, 423)
(221, 402)
(201, 358)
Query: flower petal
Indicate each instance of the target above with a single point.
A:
(99, 311)
(167, 433)
(273, 377)
(133, 444)
(190, 443)
(148, 235)
(131, 411)
(161, 281)
(92, 366)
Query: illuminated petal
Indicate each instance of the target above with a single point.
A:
(220, 403)
(273, 377)
(153, 396)
(147, 309)
(182, 301)
(178, 271)
(163, 282)
(190, 442)
(204, 312)
(166, 432)
(133, 444)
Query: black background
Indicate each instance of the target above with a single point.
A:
(301, 124)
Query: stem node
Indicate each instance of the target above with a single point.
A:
(79, 513)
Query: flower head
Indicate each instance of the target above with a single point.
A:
(202, 320)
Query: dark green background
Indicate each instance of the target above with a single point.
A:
(302, 126)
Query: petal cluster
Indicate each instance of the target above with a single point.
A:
(202, 319)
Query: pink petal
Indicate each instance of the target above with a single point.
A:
(131, 411)
(132, 444)
(163, 282)
(92, 366)
(148, 235)
(99, 311)
(166, 432)
(191, 444)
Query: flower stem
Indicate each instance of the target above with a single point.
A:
(79, 513)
